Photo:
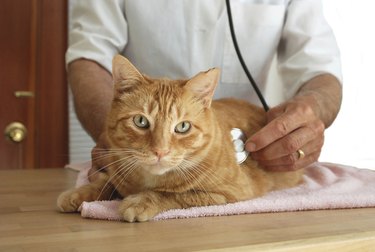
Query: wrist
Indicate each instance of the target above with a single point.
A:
(323, 94)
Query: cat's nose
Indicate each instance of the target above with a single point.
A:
(161, 153)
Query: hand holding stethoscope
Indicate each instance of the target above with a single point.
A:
(292, 139)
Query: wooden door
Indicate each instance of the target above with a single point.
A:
(33, 90)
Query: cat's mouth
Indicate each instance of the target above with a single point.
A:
(158, 165)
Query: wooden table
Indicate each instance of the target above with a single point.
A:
(29, 222)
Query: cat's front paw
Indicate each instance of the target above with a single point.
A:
(140, 207)
(69, 201)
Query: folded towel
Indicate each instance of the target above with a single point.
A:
(326, 186)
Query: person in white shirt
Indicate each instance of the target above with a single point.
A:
(179, 38)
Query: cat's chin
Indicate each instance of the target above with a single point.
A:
(157, 169)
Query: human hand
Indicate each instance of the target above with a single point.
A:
(292, 126)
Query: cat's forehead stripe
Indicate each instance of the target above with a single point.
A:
(153, 108)
(166, 97)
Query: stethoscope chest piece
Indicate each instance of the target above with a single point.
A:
(239, 139)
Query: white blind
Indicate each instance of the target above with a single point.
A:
(80, 143)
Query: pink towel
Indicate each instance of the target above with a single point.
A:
(326, 186)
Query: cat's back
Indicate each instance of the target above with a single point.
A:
(235, 113)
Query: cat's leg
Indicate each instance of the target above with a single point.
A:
(100, 189)
(146, 205)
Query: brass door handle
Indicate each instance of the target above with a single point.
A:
(16, 132)
(22, 94)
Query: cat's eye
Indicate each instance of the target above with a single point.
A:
(141, 122)
(182, 127)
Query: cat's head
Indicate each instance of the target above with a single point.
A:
(160, 125)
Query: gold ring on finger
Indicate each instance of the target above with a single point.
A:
(301, 154)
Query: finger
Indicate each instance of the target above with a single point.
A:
(276, 129)
(275, 112)
(302, 163)
(285, 119)
(292, 142)
(293, 158)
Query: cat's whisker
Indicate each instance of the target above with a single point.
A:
(124, 171)
(202, 189)
(204, 175)
(200, 182)
(116, 176)
(186, 176)
(109, 153)
(193, 171)
(117, 153)
(212, 174)
(123, 166)
(127, 170)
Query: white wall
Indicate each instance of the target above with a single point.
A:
(351, 138)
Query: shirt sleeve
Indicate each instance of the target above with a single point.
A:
(308, 47)
(98, 31)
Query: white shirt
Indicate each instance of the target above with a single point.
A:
(179, 38)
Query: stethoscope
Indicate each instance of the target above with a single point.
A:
(243, 64)
(238, 136)
(238, 140)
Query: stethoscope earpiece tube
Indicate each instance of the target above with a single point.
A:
(243, 64)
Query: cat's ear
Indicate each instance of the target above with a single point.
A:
(125, 75)
(203, 85)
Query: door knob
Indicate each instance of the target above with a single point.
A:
(16, 132)
(22, 94)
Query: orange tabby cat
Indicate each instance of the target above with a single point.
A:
(168, 145)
